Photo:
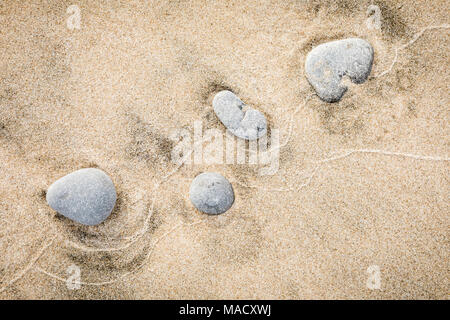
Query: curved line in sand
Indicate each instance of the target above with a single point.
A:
(24, 271)
(385, 153)
(126, 274)
(414, 39)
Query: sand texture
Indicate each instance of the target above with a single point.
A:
(363, 182)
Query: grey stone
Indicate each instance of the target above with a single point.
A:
(327, 63)
(86, 196)
(211, 193)
(244, 122)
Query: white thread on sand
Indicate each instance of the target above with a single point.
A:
(414, 39)
(290, 189)
(308, 181)
(126, 274)
(30, 265)
(291, 125)
(383, 152)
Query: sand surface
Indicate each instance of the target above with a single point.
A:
(109, 94)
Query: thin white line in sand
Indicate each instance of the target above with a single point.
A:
(24, 271)
(126, 274)
(414, 39)
(383, 152)
(291, 125)
(291, 189)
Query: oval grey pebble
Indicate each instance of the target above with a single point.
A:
(327, 63)
(211, 193)
(86, 196)
(247, 124)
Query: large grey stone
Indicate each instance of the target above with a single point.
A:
(211, 193)
(242, 121)
(327, 63)
(86, 196)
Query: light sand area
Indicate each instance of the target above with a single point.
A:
(109, 94)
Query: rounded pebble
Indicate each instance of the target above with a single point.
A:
(327, 63)
(249, 124)
(86, 196)
(211, 193)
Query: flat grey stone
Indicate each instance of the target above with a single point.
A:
(244, 122)
(86, 196)
(211, 193)
(327, 63)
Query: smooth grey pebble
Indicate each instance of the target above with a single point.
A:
(86, 196)
(211, 193)
(249, 124)
(327, 63)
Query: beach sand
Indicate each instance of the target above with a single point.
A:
(109, 94)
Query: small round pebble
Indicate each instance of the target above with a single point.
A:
(249, 124)
(86, 196)
(211, 193)
(327, 63)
